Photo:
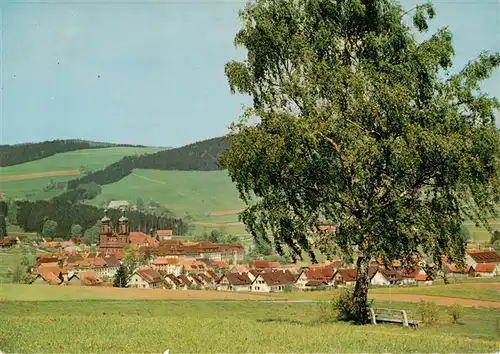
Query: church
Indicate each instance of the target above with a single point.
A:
(109, 241)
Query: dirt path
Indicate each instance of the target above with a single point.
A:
(439, 300)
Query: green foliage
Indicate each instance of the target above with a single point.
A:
(20, 153)
(12, 213)
(91, 235)
(428, 312)
(455, 311)
(287, 288)
(49, 229)
(496, 245)
(464, 233)
(32, 215)
(495, 237)
(121, 278)
(343, 305)
(76, 230)
(361, 126)
(20, 274)
(3, 226)
(139, 204)
(4, 208)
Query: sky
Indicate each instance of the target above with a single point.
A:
(151, 73)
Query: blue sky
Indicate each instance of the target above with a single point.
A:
(151, 72)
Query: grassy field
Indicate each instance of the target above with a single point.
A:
(225, 326)
(473, 289)
(195, 192)
(19, 179)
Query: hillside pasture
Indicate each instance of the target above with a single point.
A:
(197, 193)
(31, 177)
(226, 326)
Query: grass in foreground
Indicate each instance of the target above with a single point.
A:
(231, 326)
(462, 291)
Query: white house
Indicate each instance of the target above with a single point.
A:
(272, 281)
(147, 279)
(235, 282)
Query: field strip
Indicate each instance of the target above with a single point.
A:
(20, 177)
(148, 179)
(225, 212)
(218, 224)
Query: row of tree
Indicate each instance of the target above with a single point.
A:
(58, 217)
(21, 153)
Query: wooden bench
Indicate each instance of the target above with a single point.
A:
(390, 316)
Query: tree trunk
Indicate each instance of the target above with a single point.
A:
(361, 290)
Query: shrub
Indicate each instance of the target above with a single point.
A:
(287, 288)
(343, 304)
(429, 312)
(455, 311)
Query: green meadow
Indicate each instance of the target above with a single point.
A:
(195, 192)
(92, 160)
(100, 326)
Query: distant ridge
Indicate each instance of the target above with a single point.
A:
(20, 153)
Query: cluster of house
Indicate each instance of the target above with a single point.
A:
(259, 276)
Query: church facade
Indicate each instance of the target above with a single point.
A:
(111, 242)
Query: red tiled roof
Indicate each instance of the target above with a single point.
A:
(150, 275)
(484, 267)
(174, 279)
(212, 274)
(260, 264)
(452, 267)
(164, 261)
(196, 279)
(421, 277)
(277, 277)
(163, 233)
(316, 283)
(325, 273)
(219, 265)
(237, 278)
(350, 274)
(485, 256)
(88, 278)
(50, 277)
(185, 280)
(205, 278)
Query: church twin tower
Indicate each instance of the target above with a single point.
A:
(111, 242)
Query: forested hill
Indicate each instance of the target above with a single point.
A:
(199, 156)
(20, 153)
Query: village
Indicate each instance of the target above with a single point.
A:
(178, 265)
